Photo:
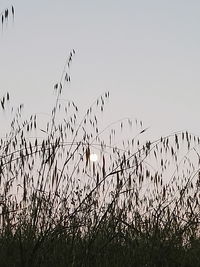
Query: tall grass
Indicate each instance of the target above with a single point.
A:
(138, 205)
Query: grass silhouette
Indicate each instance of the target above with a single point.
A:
(138, 205)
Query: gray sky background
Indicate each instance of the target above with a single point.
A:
(146, 53)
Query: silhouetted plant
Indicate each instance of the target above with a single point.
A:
(138, 205)
(5, 14)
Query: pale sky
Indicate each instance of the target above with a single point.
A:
(146, 53)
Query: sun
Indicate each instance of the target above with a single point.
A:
(93, 157)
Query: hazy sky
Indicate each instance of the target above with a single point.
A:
(146, 53)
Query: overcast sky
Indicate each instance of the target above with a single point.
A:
(145, 52)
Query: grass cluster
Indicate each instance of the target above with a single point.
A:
(138, 205)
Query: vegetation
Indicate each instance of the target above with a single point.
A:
(5, 14)
(138, 205)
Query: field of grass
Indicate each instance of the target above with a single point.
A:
(138, 205)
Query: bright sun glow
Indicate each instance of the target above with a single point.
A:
(93, 157)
